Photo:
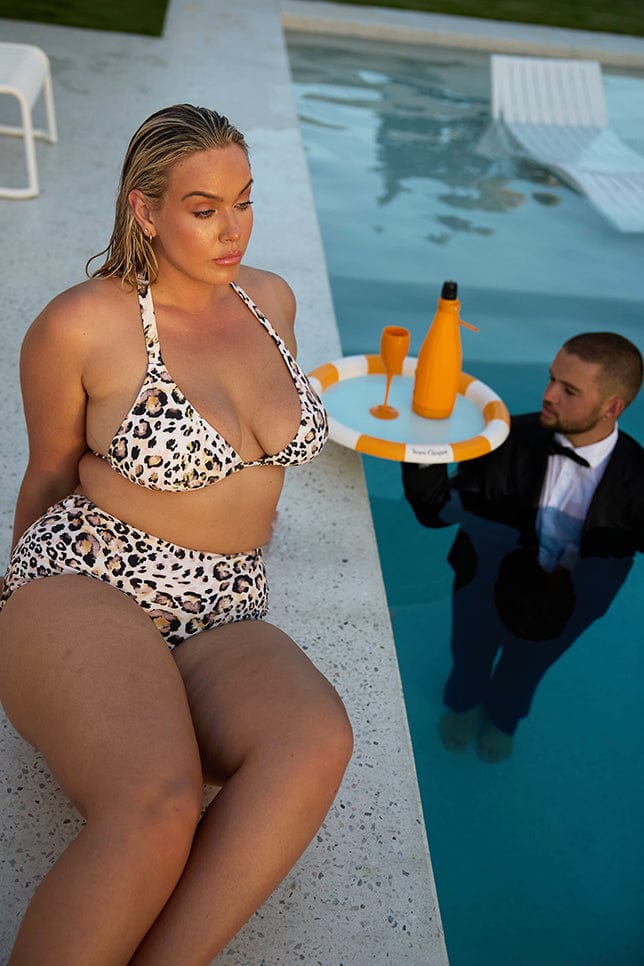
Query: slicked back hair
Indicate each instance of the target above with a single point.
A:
(166, 137)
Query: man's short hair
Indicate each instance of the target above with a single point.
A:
(620, 361)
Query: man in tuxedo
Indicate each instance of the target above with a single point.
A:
(549, 525)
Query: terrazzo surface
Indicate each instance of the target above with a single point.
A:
(363, 893)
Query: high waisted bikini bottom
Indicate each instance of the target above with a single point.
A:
(184, 591)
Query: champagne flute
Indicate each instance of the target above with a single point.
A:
(394, 346)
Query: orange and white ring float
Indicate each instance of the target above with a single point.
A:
(480, 421)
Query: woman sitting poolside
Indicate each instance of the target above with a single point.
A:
(133, 648)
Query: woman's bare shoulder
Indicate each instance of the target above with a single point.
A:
(80, 312)
(267, 288)
(95, 296)
(273, 296)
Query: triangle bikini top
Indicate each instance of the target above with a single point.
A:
(165, 444)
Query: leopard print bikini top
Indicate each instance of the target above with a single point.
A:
(164, 444)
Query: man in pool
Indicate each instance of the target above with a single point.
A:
(568, 488)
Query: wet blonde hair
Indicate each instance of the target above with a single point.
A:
(166, 137)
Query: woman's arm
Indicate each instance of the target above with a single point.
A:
(51, 375)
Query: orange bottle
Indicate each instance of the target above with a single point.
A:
(439, 362)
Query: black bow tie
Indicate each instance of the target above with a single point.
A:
(557, 449)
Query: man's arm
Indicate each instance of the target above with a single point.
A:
(427, 490)
(615, 522)
(502, 486)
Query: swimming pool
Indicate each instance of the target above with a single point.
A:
(538, 859)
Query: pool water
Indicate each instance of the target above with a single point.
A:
(537, 859)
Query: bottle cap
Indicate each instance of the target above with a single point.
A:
(449, 290)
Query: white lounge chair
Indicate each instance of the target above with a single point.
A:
(24, 74)
(553, 112)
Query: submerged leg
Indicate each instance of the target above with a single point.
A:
(492, 744)
(457, 728)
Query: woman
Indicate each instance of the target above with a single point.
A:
(136, 526)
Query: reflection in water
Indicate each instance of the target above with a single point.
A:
(425, 129)
(545, 198)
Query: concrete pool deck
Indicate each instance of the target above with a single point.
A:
(364, 892)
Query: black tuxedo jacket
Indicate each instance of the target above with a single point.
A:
(505, 486)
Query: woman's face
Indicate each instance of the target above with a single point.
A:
(205, 220)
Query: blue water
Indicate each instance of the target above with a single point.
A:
(538, 860)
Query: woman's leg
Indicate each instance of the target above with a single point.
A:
(87, 679)
(274, 733)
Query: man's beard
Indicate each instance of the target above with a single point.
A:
(570, 429)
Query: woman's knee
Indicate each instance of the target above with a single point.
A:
(322, 738)
(161, 814)
(340, 733)
(172, 816)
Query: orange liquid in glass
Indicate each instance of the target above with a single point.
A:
(394, 346)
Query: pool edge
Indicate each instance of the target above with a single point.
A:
(381, 23)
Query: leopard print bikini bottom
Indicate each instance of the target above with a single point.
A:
(184, 591)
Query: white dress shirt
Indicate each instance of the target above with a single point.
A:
(567, 491)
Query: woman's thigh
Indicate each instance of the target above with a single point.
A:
(250, 686)
(87, 679)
